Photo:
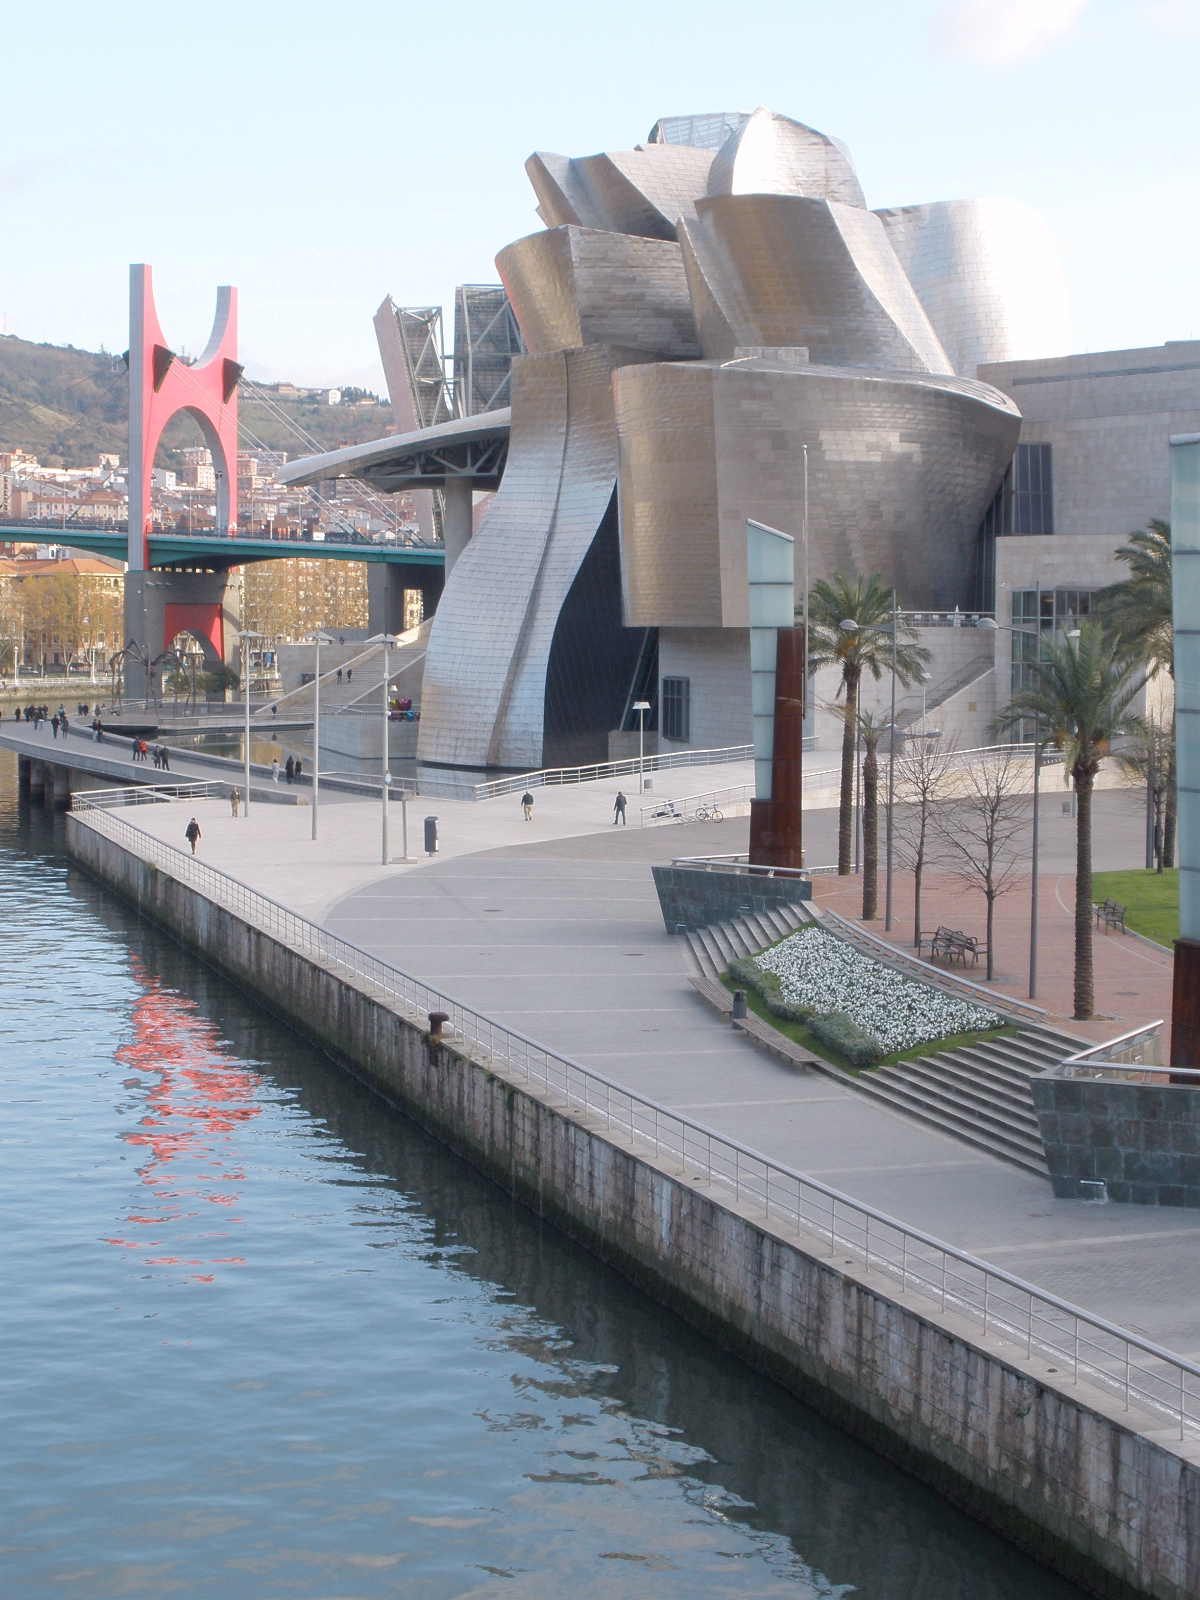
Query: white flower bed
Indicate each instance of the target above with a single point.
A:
(815, 969)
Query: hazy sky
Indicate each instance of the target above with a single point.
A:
(322, 156)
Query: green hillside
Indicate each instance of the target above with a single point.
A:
(68, 406)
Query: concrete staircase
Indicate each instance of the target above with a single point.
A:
(710, 950)
(979, 1094)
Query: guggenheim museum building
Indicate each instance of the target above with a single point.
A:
(710, 327)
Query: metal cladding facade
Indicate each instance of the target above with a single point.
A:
(698, 312)
(899, 469)
(988, 276)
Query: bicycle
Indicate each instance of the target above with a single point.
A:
(708, 814)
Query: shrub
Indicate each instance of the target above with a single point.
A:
(842, 1033)
(768, 986)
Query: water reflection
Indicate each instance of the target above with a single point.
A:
(270, 1338)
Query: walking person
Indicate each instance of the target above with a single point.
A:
(234, 798)
(619, 805)
(274, 769)
(289, 771)
(192, 834)
(156, 759)
(164, 760)
(54, 724)
(339, 676)
(527, 805)
(299, 768)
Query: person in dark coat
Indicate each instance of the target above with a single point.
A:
(192, 834)
(619, 805)
(289, 771)
(527, 805)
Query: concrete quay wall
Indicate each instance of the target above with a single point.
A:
(1063, 1472)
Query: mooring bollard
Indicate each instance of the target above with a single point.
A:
(436, 1020)
(739, 1006)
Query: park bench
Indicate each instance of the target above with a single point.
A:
(951, 944)
(1111, 914)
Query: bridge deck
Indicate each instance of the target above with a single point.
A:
(173, 549)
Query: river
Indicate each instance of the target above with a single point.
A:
(261, 1336)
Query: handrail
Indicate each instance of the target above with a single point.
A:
(1116, 1056)
(140, 794)
(1121, 1363)
(938, 976)
(736, 795)
(550, 777)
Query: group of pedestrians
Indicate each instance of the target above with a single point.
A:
(141, 752)
(35, 714)
(293, 770)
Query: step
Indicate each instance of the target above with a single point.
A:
(712, 950)
(976, 1113)
(1018, 1152)
(1007, 1055)
(1002, 1070)
(700, 956)
(945, 1072)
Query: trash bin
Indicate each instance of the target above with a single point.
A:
(431, 839)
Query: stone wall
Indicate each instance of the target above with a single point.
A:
(1141, 1140)
(1061, 1471)
(695, 898)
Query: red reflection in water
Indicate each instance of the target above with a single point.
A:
(198, 1103)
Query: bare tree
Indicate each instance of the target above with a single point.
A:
(980, 830)
(922, 772)
(1150, 758)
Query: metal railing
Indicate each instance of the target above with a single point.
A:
(739, 866)
(1032, 1322)
(147, 795)
(686, 809)
(1133, 1057)
(550, 777)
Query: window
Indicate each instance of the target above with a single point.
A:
(677, 709)
(1039, 615)
(1033, 490)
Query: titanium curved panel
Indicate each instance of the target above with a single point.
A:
(989, 277)
(901, 469)
(575, 286)
(770, 154)
(640, 192)
(789, 270)
(483, 697)
(584, 491)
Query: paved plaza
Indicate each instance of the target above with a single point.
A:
(553, 927)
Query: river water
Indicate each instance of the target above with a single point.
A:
(260, 1336)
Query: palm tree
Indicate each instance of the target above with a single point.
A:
(871, 729)
(865, 648)
(1082, 690)
(1138, 611)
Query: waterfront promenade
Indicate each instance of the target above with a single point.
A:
(553, 927)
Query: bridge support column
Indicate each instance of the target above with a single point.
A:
(457, 524)
(158, 605)
(60, 779)
(23, 775)
(386, 583)
(37, 780)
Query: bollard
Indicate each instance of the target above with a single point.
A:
(739, 1006)
(431, 837)
(436, 1020)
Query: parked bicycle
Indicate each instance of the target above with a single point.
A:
(709, 814)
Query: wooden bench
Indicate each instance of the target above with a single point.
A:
(1112, 914)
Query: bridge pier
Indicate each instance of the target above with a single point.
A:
(37, 780)
(159, 604)
(386, 583)
(58, 786)
(23, 765)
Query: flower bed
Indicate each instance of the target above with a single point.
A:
(816, 969)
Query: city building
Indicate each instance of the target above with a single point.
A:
(715, 327)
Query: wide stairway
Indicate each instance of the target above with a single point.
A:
(979, 1093)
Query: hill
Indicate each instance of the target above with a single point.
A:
(67, 406)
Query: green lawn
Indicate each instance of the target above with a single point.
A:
(1151, 900)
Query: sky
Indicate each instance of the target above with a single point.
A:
(322, 156)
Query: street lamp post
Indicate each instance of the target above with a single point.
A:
(1035, 631)
(641, 707)
(318, 640)
(385, 640)
(245, 635)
